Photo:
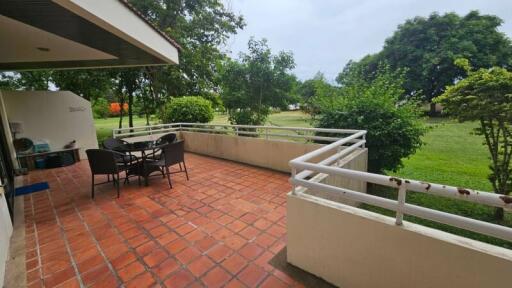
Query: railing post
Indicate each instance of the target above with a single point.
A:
(339, 159)
(266, 133)
(294, 187)
(402, 190)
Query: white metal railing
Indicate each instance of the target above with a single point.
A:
(343, 143)
(302, 169)
(267, 132)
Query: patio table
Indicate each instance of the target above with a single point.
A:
(140, 168)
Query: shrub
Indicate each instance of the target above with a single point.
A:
(115, 108)
(393, 133)
(247, 117)
(100, 108)
(394, 128)
(191, 109)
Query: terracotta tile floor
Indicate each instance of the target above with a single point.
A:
(219, 229)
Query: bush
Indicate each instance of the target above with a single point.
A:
(190, 109)
(247, 117)
(393, 133)
(100, 108)
(394, 127)
(115, 109)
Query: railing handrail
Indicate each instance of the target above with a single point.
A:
(301, 132)
(301, 177)
(303, 168)
(310, 129)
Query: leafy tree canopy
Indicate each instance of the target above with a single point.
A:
(256, 82)
(486, 96)
(427, 47)
(200, 27)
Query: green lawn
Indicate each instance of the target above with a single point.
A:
(104, 126)
(451, 155)
(454, 156)
(288, 118)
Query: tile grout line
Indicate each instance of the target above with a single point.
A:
(36, 236)
(64, 236)
(96, 242)
(146, 232)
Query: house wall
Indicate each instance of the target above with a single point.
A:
(58, 117)
(351, 247)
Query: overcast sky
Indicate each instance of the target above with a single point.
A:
(324, 34)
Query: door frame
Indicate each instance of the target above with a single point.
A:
(6, 170)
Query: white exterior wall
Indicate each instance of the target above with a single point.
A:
(351, 247)
(58, 117)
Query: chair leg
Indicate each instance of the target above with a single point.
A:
(113, 179)
(92, 188)
(108, 177)
(168, 176)
(118, 184)
(186, 172)
(180, 167)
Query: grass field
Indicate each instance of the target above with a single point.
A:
(104, 126)
(288, 118)
(452, 155)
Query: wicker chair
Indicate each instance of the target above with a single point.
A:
(172, 154)
(105, 162)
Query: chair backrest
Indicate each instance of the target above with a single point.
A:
(173, 153)
(167, 138)
(101, 161)
(112, 143)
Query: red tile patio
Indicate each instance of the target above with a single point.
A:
(219, 229)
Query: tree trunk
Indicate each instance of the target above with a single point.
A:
(499, 214)
(130, 109)
(433, 111)
(121, 104)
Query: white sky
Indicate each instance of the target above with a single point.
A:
(324, 34)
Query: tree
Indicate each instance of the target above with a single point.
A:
(129, 83)
(200, 27)
(31, 80)
(90, 84)
(427, 48)
(314, 92)
(255, 83)
(486, 96)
